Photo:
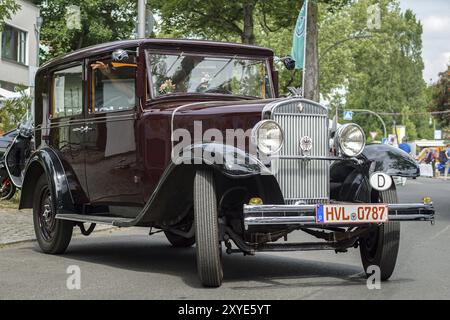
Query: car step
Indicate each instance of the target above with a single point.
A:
(108, 220)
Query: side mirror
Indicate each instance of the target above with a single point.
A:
(120, 55)
(289, 63)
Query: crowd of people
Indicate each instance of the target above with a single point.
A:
(439, 160)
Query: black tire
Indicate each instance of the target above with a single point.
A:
(53, 235)
(179, 241)
(208, 247)
(8, 192)
(380, 246)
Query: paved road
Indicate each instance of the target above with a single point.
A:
(127, 264)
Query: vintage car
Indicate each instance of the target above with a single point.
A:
(191, 139)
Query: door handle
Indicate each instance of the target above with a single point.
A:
(82, 129)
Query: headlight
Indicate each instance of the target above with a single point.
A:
(267, 135)
(351, 139)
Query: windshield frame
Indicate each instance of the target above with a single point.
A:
(149, 76)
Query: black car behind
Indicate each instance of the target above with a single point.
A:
(5, 140)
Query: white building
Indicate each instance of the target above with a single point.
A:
(18, 49)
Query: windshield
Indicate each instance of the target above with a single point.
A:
(185, 73)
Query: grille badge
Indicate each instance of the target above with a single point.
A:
(305, 145)
(300, 107)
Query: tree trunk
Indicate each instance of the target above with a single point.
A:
(312, 54)
(248, 35)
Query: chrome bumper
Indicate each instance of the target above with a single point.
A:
(305, 215)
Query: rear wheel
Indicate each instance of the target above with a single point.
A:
(208, 247)
(380, 245)
(178, 241)
(7, 189)
(53, 235)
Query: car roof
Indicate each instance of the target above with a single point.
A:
(211, 46)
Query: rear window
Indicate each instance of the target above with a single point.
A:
(67, 92)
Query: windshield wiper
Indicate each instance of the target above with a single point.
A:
(223, 68)
(178, 58)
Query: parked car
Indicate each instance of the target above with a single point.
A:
(5, 140)
(190, 138)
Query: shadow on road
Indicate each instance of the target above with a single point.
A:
(264, 271)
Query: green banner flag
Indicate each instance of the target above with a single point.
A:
(299, 38)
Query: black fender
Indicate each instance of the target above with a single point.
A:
(390, 160)
(233, 167)
(46, 161)
(350, 179)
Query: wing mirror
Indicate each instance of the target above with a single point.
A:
(288, 62)
(119, 55)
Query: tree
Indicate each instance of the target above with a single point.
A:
(441, 98)
(224, 19)
(7, 8)
(378, 69)
(101, 21)
(12, 111)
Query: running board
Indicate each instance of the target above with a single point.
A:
(108, 220)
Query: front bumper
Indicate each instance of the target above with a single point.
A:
(305, 215)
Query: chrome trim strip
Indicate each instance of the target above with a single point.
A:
(66, 123)
(308, 158)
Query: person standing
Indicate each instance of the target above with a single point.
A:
(447, 166)
(405, 146)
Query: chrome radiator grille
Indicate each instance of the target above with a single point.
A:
(302, 180)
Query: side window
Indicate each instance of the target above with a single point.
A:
(67, 92)
(113, 85)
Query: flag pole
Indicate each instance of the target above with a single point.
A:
(304, 47)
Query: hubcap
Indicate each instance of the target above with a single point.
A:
(47, 221)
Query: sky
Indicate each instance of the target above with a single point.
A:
(435, 18)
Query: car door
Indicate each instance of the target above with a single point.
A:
(66, 122)
(110, 136)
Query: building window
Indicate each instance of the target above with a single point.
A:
(14, 44)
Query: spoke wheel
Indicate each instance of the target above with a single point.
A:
(53, 235)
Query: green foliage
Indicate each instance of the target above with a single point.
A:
(440, 95)
(380, 70)
(12, 111)
(224, 19)
(101, 21)
(7, 8)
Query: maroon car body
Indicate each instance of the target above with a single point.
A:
(113, 162)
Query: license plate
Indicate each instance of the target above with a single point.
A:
(351, 213)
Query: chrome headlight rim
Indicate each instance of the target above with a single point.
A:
(255, 136)
(340, 139)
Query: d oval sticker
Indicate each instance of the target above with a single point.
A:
(380, 181)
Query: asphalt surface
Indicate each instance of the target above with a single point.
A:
(127, 264)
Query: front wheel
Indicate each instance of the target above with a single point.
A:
(53, 235)
(209, 258)
(379, 247)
